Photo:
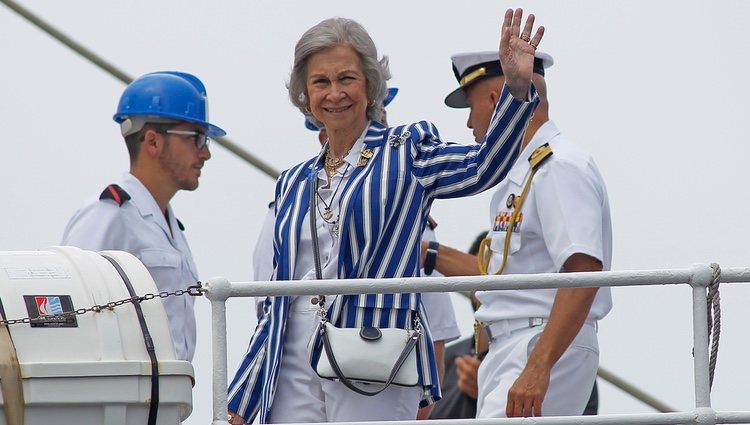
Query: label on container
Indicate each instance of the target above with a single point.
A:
(36, 273)
(46, 305)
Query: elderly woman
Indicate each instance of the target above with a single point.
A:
(369, 191)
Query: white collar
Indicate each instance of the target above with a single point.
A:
(146, 204)
(544, 134)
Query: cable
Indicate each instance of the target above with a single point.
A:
(127, 79)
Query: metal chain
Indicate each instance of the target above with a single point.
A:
(323, 312)
(714, 325)
(193, 290)
(417, 326)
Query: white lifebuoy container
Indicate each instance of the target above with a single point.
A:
(92, 368)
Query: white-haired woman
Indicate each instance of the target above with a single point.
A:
(370, 191)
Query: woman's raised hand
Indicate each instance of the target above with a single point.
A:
(517, 51)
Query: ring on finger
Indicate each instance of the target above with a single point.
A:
(525, 37)
(533, 45)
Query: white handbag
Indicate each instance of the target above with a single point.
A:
(368, 355)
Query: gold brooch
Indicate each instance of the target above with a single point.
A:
(364, 157)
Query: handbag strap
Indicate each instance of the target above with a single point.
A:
(411, 343)
(314, 226)
(316, 244)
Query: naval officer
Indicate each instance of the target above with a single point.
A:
(550, 215)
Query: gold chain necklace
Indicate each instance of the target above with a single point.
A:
(332, 163)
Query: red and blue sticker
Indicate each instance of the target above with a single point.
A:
(45, 311)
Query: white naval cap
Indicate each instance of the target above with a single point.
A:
(474, 66)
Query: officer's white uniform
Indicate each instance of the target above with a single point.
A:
(437, 305)
(140, 228)
(566, 212)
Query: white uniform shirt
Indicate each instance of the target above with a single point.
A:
(567, 212)
(438, 305)
(140, 228)
(263, 253)
(442, 320)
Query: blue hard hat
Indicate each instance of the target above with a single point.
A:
(388, 98)
(167, 95)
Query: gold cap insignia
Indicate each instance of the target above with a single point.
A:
(473, 75)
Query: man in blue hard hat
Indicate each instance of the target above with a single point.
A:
(163, 118)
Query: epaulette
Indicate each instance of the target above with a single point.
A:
(116, 193)
(540, 155)
(431, 222)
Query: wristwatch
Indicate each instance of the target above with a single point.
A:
(431, 257)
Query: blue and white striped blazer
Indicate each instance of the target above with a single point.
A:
(384, 207)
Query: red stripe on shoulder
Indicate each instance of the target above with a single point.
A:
(115, 193)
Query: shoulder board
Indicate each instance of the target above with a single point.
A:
(179, 224)
(540, 155)
(116, 193)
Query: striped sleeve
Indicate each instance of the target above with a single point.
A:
(452, 170)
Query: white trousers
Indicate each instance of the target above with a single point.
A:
(571, 379)
(302, 396)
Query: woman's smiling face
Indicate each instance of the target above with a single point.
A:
(337, 89)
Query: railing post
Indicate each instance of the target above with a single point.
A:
(217, 291)
(699, 281)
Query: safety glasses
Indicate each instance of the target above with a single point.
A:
(200, 139)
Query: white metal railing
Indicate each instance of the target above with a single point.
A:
(218, 290)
